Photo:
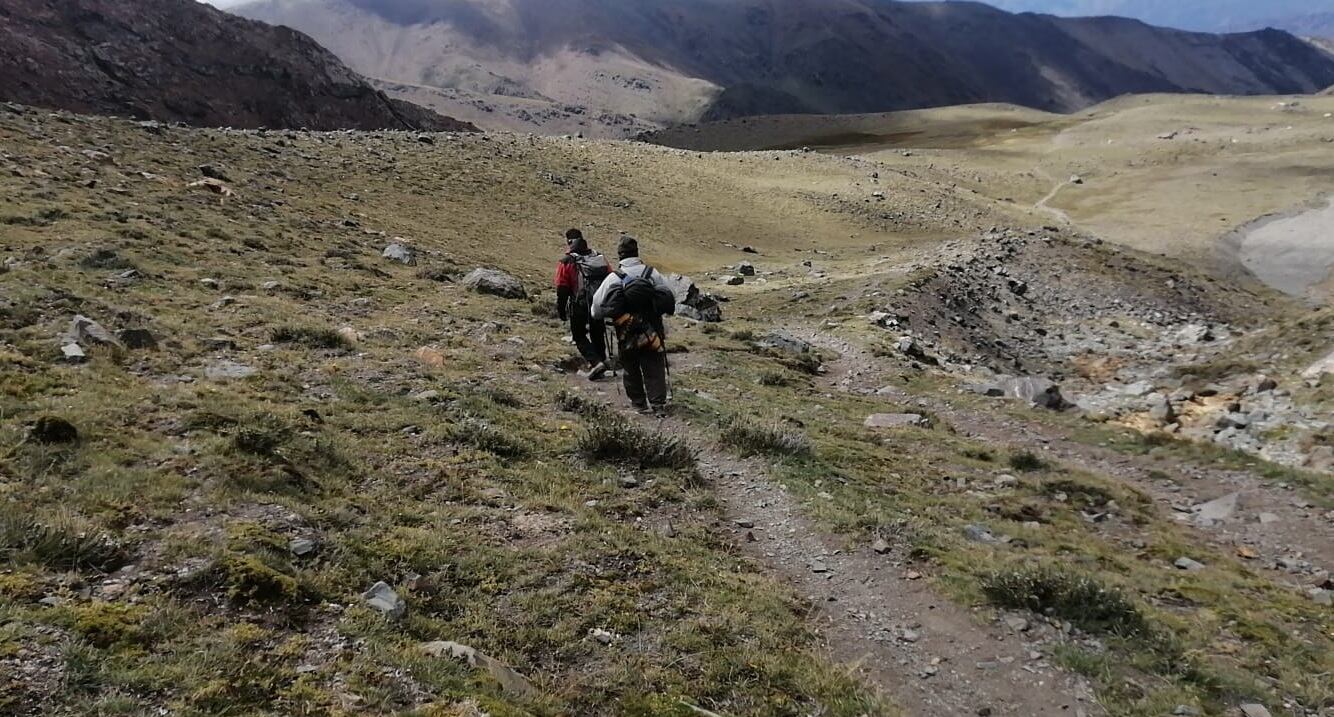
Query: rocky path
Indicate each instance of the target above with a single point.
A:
(876, 616)
(1273, 526)
(1042, 204)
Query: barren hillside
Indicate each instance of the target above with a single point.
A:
(672, 61)
(183, 61)
(272, 444)
(1166, 174)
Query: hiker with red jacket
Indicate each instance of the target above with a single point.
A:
(578, 275)
(634, 299)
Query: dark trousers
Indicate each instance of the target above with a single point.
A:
(645, 377)
(590, 334)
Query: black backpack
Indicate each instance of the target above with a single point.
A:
(593, 270)
(645, 298)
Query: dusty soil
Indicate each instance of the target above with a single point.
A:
(1298, 529)
(877, 614)
(1293, 252)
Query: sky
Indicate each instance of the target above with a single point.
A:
(1209, 15)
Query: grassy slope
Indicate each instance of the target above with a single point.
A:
(520, 545)
(1250, 155)
(199, 485)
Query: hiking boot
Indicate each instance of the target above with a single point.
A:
(641, 409)
(661, 411)
(598, 371)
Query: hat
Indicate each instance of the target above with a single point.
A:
(628, 247)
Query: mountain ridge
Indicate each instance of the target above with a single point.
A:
(678, 61)
(178, 60)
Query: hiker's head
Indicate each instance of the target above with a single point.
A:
(573, 234)
(628, 247)
(579, 245)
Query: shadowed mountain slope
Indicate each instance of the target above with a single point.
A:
(672, 61)
(179, 60)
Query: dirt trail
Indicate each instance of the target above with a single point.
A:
(928, 655)
(1293, 530)
(1041, 204)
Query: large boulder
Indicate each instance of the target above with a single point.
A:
(83, 330)
(1317, 370)
(1033, 390)
(895, 420)
(495, 283)
(691, 303)
(784, 342)
(400, 253)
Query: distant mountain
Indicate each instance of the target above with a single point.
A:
(1204, 15)
(179, 60)
(1316, 25)
(666, 62)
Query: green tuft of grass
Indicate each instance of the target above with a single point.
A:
(310, 337)
(614, 439)
(753, 436)
(63, 544)
(249, 580)
(1028, 462)
(480, 434)
(1079, 598)
(105, 624)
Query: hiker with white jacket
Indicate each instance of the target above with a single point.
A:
(634, 299)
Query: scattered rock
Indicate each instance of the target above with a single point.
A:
(1035, 391)
(1016, 623)
(745, 268)
(73, 353)
(1320, 596)
(213, 172)
(909, 347)
(979, 534)
(784, 342)
(301, 547)
(510, 681)
(384, 600)
(138, 339)
(1268, 518)
(604, 637)
(1266, 385)
(749, 250)
(84, 330)
(1317, 370)
(894, 420)
(1195, 334)
(691, 303)
(1218, 509)
(735, 280)
(1161, 410)
(880, 546)
(495, 283)
(53, 430)
(1255, 710)
(400, 253)
(224, 370)
(1185, 711)
(1188, 565)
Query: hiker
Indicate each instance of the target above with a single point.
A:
(634, 299)
(578, 275)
